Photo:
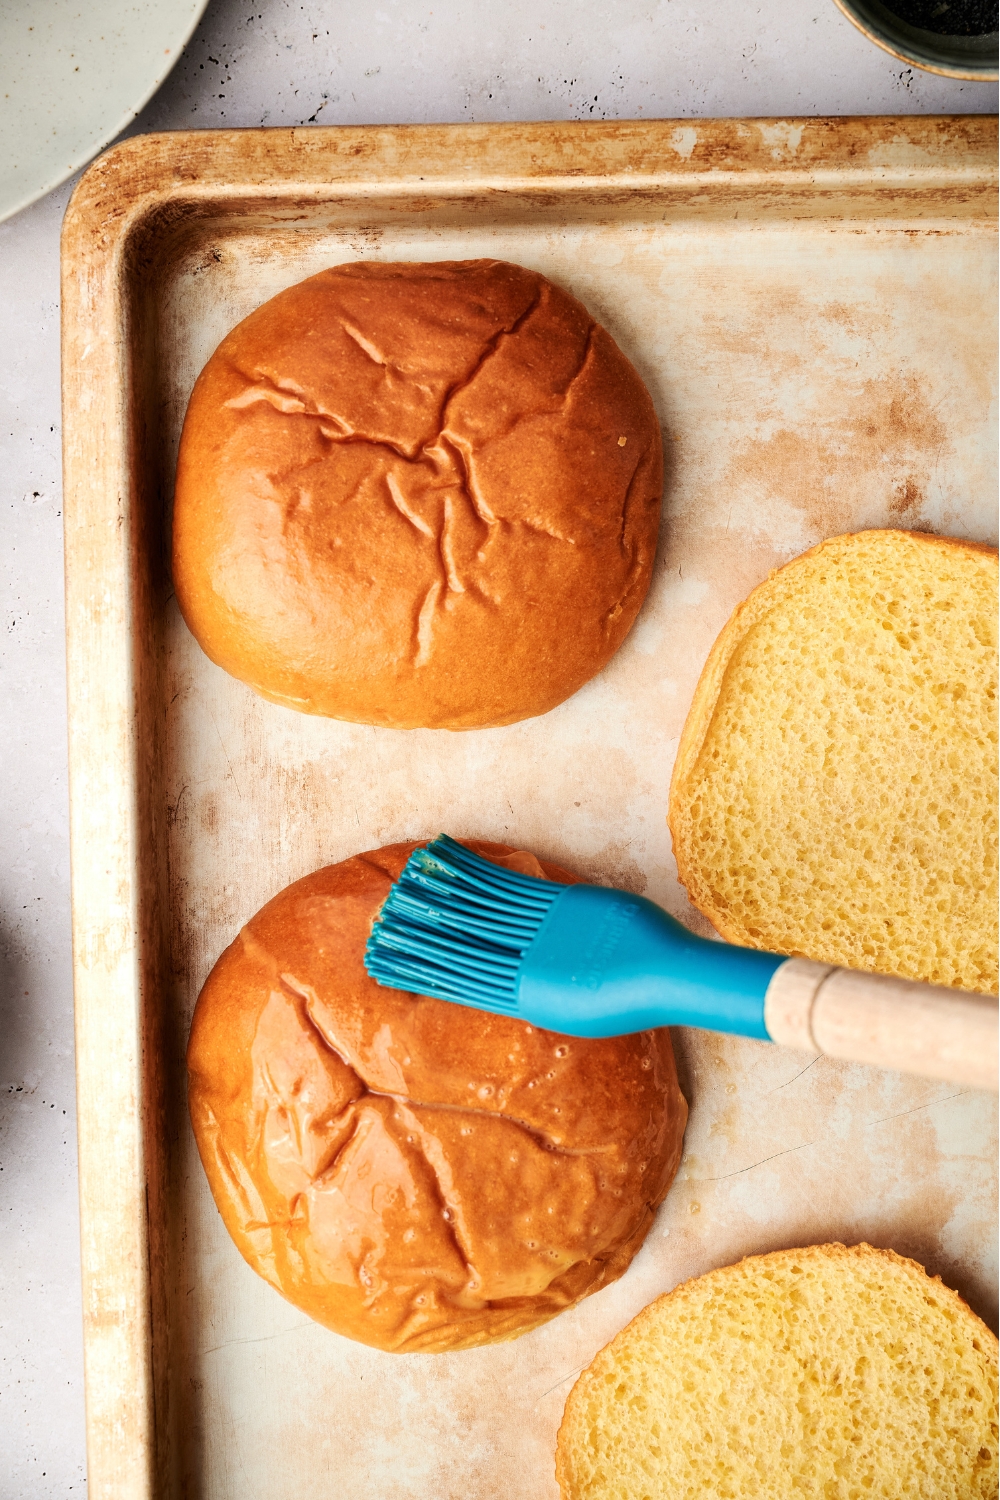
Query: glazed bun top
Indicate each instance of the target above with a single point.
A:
(417, 495)
(413, 1174)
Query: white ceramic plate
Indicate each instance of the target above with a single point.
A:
(73, 73)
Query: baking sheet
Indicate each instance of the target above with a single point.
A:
(821, 362)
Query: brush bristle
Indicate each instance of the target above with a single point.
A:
(456, 927)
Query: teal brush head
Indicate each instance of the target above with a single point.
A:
(578, 959)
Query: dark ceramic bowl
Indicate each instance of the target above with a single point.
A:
(966, 53)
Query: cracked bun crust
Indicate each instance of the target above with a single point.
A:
(417, 495)
(416, 1175)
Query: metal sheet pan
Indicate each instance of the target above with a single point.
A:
(812, 305)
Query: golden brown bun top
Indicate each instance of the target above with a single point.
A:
(413, 1174)
(417, 495)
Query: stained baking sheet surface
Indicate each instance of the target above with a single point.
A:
(809, 381)
(813, 376)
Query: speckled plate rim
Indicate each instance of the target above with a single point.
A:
(106, 132)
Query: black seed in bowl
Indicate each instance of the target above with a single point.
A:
(948, 17)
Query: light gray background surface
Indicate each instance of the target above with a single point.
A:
(281, 62)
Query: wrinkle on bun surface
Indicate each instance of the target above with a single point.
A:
(416, 1175)
(417, 495)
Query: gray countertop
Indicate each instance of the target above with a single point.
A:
(279, 62)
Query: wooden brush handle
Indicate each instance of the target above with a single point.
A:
(891, 1023)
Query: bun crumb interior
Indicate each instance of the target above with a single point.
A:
(835, 790)
(828, 1373)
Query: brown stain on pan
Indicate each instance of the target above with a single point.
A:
(616, 866)
(292, 798)
(887, 439)
(831, 1133)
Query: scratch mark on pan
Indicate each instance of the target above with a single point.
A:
(226, 754)
(797, 1075)
(916, 1109)
(868, 1126)
(739, 1172)
(173, 813)
(264, 1338)
(558, 1384)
